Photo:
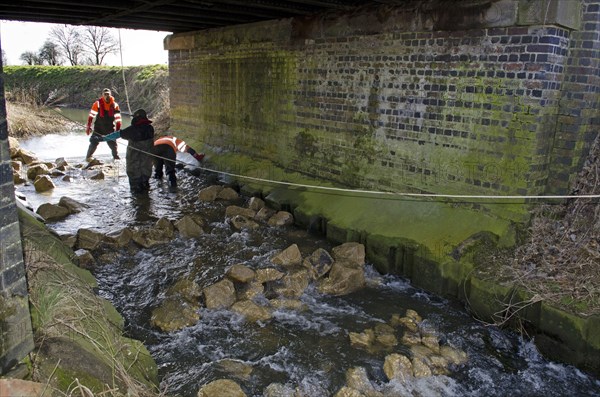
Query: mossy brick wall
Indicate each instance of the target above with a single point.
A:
(16, 337)
(578, 114)
(468, 99)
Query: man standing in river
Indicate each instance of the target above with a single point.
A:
(108, 116)
(139, 157)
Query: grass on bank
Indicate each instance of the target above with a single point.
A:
(32, 92)
(80, 349)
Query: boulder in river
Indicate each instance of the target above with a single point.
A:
(18, 179)
(241, 273)
(13, 147)
(26, 156)
(149, 237)
(256, 204)
(251, 311)
(72, 205)
(61, 164)
(352, 251)
(220, 295)
(240, 222)
(290, 256)
(43, 183)
(119, 238)
(235, 368)
(234, 210)
(85, 259)
(221, 388)
(268, 274)
(264, 214)
(188, 228)
(281, 218)
(397, 366)
(52, 212)
(251, 291)
(174, 314)
(97, 175)
(318, 263)
(293, 284)
(166, 226)
(358, 379)
(227, 194)
(345, 277)
(35, 170)
(89, 239)
(187, 289)
(210, 193)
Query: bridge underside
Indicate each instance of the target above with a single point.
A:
(170, 15)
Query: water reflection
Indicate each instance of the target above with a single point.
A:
(72, 146)
(305, 350)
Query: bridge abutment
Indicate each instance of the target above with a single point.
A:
(16, 336)
(488, 98)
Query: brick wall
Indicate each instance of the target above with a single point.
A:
(578, 115)
(421, 98)
(16, 338)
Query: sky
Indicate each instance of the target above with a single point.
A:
(139, 47)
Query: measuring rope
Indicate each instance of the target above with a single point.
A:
(359, 191)
(123, 74)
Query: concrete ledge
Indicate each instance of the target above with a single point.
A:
(565, 13)
(559, 335)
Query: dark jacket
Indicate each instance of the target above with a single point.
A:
(140, 130)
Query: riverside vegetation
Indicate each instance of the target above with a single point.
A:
(35, 94)
(556, 260)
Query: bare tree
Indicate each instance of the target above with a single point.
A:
(30, 58)
(4, 58)
(68, 38)
(98, 43)
(50, 53)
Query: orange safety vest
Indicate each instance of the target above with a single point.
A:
(102, 109)
(176, 143)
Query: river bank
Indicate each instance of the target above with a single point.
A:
(35, 95)
(80, 347)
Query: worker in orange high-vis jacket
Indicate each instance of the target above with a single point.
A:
(108, 116)
(165, 151)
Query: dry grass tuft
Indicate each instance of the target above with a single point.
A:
(560, 261)
(30, 120)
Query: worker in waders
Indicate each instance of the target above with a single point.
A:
(165, 152)
(107, 113)
(139, 150)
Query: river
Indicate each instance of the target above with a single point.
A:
(305, 350)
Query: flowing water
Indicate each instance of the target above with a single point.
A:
(305, 350)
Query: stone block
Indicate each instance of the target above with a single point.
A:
(565, 13)
(17, 336)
